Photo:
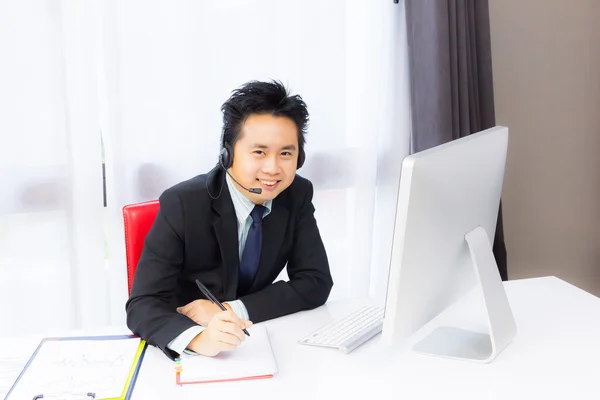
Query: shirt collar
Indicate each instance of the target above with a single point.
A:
(243, 206)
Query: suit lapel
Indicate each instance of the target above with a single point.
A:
(274, 227)
(226, 231)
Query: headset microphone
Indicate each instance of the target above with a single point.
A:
(251, 190)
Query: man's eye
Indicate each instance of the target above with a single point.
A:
(259, 152)
(286, 154)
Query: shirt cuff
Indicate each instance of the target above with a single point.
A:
(239, 309)
(180, 343)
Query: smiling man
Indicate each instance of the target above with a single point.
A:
(234, 229)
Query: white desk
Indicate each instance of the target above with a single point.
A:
(556, 355)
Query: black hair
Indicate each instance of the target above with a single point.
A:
(256, 97)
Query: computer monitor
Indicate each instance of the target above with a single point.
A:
(446, 216)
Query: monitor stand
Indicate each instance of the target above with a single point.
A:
(451, 342)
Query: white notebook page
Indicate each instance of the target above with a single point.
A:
(254, 357)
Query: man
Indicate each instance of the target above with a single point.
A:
(234, 229)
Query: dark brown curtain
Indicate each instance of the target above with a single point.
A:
(451, 78)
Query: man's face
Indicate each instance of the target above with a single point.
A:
(266, 156)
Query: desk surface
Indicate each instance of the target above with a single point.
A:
(555, 355)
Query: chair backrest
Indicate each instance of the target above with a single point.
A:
(138, 220)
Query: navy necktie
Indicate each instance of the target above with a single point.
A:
(251, 253)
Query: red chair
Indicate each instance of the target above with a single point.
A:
(138, 220)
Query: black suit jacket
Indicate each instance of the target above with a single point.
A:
(196, 237)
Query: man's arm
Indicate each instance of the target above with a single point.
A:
(308, 269)
(151, 308)
(181, 342)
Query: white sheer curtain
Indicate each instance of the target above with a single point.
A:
(171, 65)
(52, 266)
(150, 77)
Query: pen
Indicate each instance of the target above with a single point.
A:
(212, 298)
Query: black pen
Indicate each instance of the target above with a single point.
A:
(212, 298)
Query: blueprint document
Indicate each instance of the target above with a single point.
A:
(78, 367)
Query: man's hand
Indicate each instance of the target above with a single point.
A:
(223, 333)
(201, 311)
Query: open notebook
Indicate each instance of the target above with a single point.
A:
(253, 359)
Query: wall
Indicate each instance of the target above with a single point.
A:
(546, 61)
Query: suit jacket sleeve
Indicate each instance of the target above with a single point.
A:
(310, 280)
(151, 309)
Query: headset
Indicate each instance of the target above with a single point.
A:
(226, 161)
(226, 156)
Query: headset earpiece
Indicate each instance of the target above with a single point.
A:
(301, 158)
(226, 156)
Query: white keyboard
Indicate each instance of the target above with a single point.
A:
(349, 332)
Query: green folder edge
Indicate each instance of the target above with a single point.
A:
(133, 371)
